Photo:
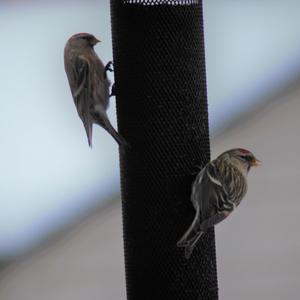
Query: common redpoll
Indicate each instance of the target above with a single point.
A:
(89, 84)
(216, 191)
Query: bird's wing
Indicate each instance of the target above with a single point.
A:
(78, 70)
(214, 205)
(81, 73)
(197, 188)
(209, 192)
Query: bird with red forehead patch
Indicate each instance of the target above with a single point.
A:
(217, 190)
(89, 84)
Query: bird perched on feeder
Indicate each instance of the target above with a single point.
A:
(89, 84)
(217, 190)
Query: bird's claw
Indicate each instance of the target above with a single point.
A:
(108, 66)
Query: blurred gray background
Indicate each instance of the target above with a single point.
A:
(60, 217)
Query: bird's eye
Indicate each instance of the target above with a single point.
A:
(245, 157)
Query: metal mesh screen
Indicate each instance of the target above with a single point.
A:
(162, 112)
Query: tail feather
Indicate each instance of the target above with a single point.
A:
(117, 137)
(191, 236)
(192, 230)
(88, 126)
(190, 245)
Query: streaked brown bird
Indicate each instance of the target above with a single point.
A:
(217, 190)
(89, 84)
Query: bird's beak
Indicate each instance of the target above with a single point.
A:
(255, 163)
(96, 41)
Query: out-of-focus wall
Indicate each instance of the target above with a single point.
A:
(85, 262)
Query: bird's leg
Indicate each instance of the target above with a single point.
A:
(108, 67)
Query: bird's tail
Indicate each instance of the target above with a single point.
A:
(117, 137)
(189, 247)
(88, 126)
(191, 236)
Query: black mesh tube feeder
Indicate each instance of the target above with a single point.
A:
(159, 63)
